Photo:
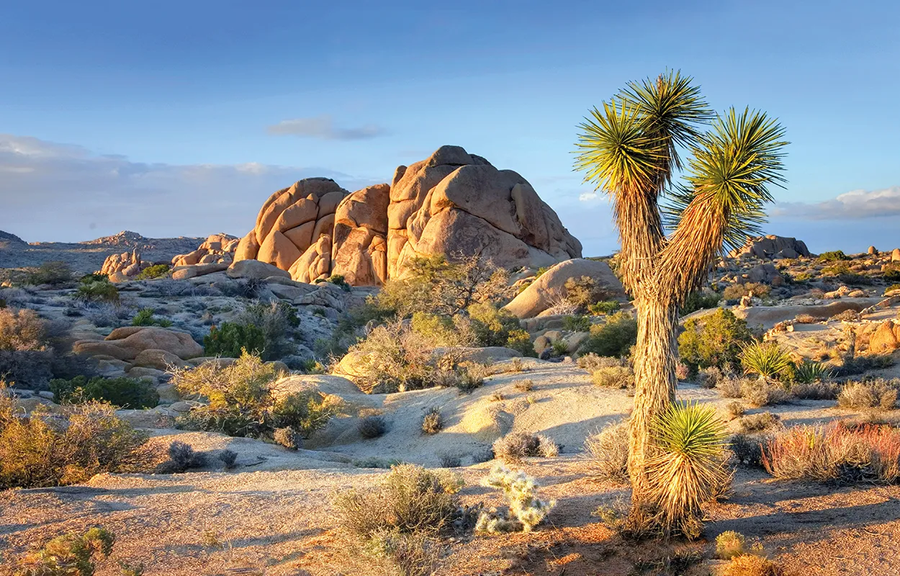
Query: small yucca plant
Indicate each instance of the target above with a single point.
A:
(808, 372)
(767, 359)
(689, 468)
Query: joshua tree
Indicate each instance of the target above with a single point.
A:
(631, 149)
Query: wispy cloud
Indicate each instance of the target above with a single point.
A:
(854, 205)
(50, 191)
(323, 128)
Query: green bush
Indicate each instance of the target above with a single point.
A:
(230, 339)
(768, 360)
(492, 325)
(54, 273)
(891, 273)
(144, 317)
(520, 340)
(244, 402)
(738, 291)
(22, 330)
(122, 392)
(443, 331)
(67, 447)
(700, 300)
(68, 555)
(582, 292)
(604, 307)
(576, 323)
(833, 256)
(97, 291)
(613, 338)
(275, 321)
(714, 340)
(154, 271)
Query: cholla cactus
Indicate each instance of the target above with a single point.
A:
(526, 510)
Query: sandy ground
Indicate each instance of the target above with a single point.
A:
(272, 515)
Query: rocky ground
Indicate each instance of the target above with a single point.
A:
(273, 513)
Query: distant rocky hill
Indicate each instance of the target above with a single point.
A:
(88, 256)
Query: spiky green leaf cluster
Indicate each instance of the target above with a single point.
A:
(767, 359)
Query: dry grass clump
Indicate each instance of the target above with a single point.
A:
(21, 330)
(592, 362)
(735, 409)
(872, 394)
(758, 422)
(710, 377)
(432, 423)
(69, 555)
(525, 385)
(807, 319)
(67, 447)
(730, 544)
(517, 445)
(761, 393)
(730, 387)
(816, 390)
(848, 315)
(752, 565)
(609, 449)
(614, 377)
(836, 453)
(372, 426)
(747, 450)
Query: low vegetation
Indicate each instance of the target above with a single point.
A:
(871, 394)
(145, 317)
(525, 509)
(54, 273)
(153, 272)
(518, 445)
(609, 452)
(714, 340)
(767, 360)
(71, 554)
(243, 400)
(66, 447)
(122, 392)
(613, 338)
(97, 289)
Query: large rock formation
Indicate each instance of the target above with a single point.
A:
(216, 249)
(451, 203)
(291, 222)
(457, 203)
(771, 247)
(550, 287)
(121, 267)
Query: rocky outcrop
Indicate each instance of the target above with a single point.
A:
(291, 221)
(121, 267)
(129, 342)
(452, 203)
(216, 249)
(255, 269)
(359, 248)
(549, 288)
(771, 247)
(457, 203)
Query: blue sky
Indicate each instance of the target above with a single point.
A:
(180, 118)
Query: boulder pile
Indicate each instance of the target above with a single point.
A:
(771, 247)
(121, 267)
(452, 203)
(217, 249)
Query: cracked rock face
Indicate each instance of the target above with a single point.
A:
(452, 203)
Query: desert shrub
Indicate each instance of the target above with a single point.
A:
(752, 565)
(22, 330)
(444, 331)
(615, 337)
(738, 291)
(395, 357)
(808, 372)
(229, 339)
(520, 340)
(710, 377)
(93, 290)
(613, 377)
(747, 450)
(806, 319)
(576, 323)
(584, 291)
(835, 453)
(275, 322)
(65, 448)
(144, 317)
(730, 544)
(832, 256)
(559, 348)
(287, 438)
(33, 369)
(869, 394)
(609, 451)
(526, 510)
(182, 457)
(517, 445)
(525, 385)
(493, 326)
(714, 340)
(123, 392)
(731, 386)
(371, 427)
(228, 458)
(432, 423)
(735, 409)
(815, 390)
(592, 362)
(758, 422)
(154, 271)
(433, 284)
(53, 273)
(603, 307)
(862, 364)
(688, 467)
(244, 400)
(700, 300)
(762, 393)
(410, 499)
(71, 554)
(338, 280)
(767, 359)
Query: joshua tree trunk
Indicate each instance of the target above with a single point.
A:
(654, 366)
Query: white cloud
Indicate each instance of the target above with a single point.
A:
(59, 192)
(323, 128)
(588, 196)
(854, 205)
